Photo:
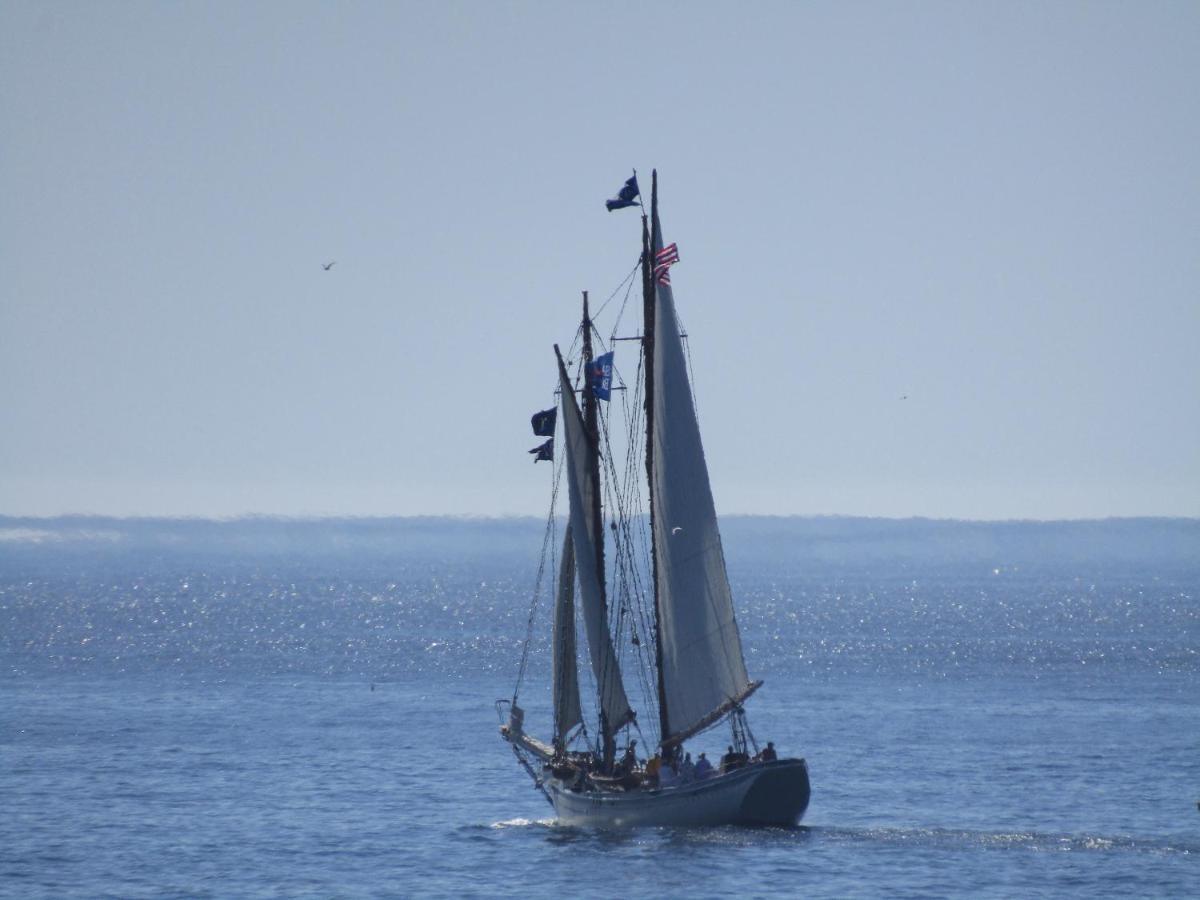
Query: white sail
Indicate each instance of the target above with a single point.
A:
(703, 670)
(580, 464)
(566, 671)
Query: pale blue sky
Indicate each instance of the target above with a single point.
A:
(992, 208)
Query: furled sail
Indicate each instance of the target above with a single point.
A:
(588, 566)
(703, 671)
(566, 671)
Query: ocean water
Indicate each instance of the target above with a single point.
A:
(182, 719)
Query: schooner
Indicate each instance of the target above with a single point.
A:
(688, 642)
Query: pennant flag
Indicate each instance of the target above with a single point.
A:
(546, 451)
(600, 376)
(543, 422)
(663, 260)
(625, 196)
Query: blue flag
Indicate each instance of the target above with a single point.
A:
(600, 376)
(625, 196)
(544, 452)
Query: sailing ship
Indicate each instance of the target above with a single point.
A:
(665, 578)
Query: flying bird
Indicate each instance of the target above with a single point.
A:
(329, 265)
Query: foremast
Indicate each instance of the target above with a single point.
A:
(592, 427)
(581, 439)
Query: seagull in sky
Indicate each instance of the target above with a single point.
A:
(329, 265)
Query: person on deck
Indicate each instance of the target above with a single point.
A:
(653, 769)
(629, 761)
(733, 760)
(703, 768)
(687, 769)
(768, 754)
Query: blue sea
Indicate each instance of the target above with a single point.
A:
(306, 709)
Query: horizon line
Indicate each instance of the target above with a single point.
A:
(317, 518)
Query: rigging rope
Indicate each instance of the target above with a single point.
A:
(547, 549)
(627, 279)
(623, 497)
(687, 351)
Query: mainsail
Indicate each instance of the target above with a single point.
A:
(702, 670)
(581, 460)
(567, 713)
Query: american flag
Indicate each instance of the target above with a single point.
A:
(663, 260)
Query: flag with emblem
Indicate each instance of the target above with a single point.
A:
(626, 196)
(600, 376)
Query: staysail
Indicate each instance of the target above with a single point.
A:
(567, 712)
(702, 669)
(586, 540)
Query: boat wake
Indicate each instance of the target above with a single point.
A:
(938, 839)
(1040, 842)
(524, 823)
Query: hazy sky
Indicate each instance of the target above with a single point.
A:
(992, 209)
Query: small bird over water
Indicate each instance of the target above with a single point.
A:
(329, 265)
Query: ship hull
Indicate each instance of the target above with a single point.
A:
(773, 793)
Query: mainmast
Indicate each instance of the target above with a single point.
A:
(648, 351)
